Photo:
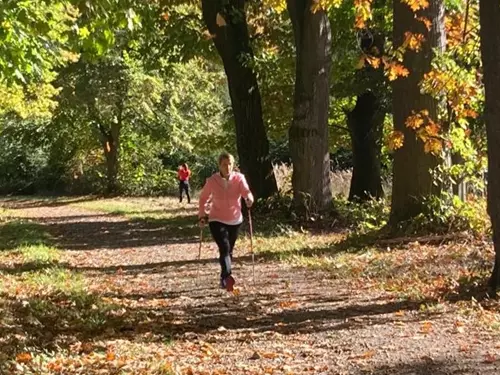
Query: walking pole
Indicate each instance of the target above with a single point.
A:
(199, 256)
(251, 246)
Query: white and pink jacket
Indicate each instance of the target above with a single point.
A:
(223, 197)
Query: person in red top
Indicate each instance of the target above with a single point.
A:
(183, 174)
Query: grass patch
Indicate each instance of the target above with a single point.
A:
(40, 254)
(451, 275)
(138, 208)
(17, 233)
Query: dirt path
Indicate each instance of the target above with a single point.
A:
(295, 321)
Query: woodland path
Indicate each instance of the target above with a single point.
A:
(295, 320)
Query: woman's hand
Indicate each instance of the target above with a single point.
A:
(202, 222)
(248, 202)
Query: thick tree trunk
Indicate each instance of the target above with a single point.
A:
(365, 125)
(412, 179)
(308, 133)
(229, 26)
(490, 52)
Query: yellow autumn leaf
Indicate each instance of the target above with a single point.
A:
(416, 4)
(373, 61)
(427, 22)
(432, 129)
(414, 41)
(414, 121)
(278, 5)
(395, 70)
(363, 13)
(395, 140)
(433, 146)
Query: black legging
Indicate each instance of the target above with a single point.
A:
(184, 186)
(225, 236)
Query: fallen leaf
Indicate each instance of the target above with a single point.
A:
(366, 355)
(490, 358)
(110, 356)
(426, 327)
(288, 304)
(270, 355)
(24, 357)
(464, 348)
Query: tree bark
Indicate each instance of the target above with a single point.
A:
(489, 14)
(365, 126)
(110, 140)
(412, 179)
(308, 133)
(232, 42)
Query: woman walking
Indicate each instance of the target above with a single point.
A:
(224, 189)
(183, 175)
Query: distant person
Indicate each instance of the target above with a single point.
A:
(224, 190)
(183, 174)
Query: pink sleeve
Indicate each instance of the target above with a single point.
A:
(204, 195)
(245, 189)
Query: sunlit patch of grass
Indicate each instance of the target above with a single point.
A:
(54, 280)
(5, 213)
(139, 208)
(290, 245)
(444, 274)
(40, 254)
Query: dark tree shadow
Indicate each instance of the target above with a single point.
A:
(428, 366)
(16, 233)
(113, 234)
(24, 202)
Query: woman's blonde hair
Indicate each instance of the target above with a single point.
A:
(226, 156)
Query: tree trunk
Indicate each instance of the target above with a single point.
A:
(365, 126)
(227, 23)
(412, 179)
(110, 140)
(308, 133)
(489, 14)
